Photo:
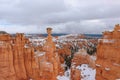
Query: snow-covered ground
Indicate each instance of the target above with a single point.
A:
(65, 77)
(87, 73)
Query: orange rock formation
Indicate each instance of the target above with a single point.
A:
(49, 63)
(80, 57)
(13, 57)
(108, 55)
(75, 74)
(18, 61)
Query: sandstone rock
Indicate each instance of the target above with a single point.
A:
(18, 53)
(48, 60)
(75, 74)
(7, 71)
(16, 61)
(81, 57)
(52, 58)
(5, 37)
(108, 55)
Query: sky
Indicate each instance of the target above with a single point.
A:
(64, 16)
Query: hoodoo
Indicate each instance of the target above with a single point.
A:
(48, 59)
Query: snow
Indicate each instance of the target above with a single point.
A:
(116, 64)
(40, 53)
(87, 73)
(98, 65)
(64, 36)
(62, 78)
(48, 63)
(37, 41)
(93, 57)
(1, 43)
(70, 38)
(26, 46)
(63, 65)
(108, 41)
(107, 69)
(65, 77)
(57, 45)
(110, 30)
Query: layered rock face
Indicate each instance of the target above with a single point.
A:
(49, 63)
(15, 58)
(7, 71)
(108, 55)
(75, 74)
(19, 61)
(18, 56)
(5, 37)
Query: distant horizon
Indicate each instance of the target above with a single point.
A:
(46, 33)
(60, 33)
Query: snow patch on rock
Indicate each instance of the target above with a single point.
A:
(66, 76)
(87, 73)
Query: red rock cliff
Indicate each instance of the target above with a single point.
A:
(108, 55)
(16, 58)
(18, 61)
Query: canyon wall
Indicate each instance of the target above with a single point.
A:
(108, 55)
(19, 60)
(15, 57)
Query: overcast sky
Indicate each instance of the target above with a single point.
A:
(64, 16)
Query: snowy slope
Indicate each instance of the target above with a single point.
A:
(87, 73)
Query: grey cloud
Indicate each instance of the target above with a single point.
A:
(87, 26)
(29, 12)
(62, 14)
